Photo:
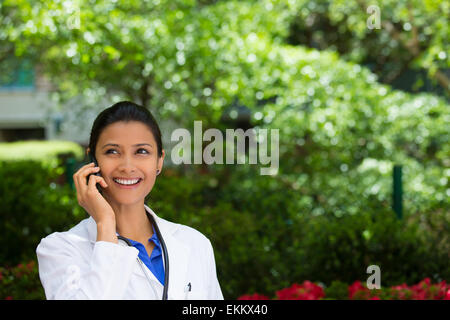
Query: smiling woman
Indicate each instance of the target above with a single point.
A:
(130, 156)
(124, 242)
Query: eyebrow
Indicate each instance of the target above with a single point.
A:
(136, 145)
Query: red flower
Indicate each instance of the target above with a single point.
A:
(399, 287)
(310, 291)
(426, 281)
(355, 289)
(424, 290)
(441, 289)
(421, 291)
(401, 292)
(306, 291)
(255, 296)
(30, 265)
(447, 295)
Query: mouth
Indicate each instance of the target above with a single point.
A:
(127, 183)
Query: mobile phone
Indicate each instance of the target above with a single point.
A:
(92, 159)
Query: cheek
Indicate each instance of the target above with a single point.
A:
(148, 186)
(105, 171)
(150, 181)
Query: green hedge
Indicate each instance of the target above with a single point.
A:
(39, 150)
(21, 282)
(266, 236)
(266, 239)
(33, 205)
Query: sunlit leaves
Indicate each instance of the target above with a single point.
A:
(200, 60)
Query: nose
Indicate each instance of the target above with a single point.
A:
(126, 165)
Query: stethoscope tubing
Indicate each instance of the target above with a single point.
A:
(165, 257)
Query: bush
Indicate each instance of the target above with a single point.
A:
(424, 290)
(263, 235)
(245, 237)
(342, 248)
(21, 282)
(337, 290)
(271, 237)
(33, 206)
(42, 151)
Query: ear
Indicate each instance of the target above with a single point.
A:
(87, 151)
(161, 161)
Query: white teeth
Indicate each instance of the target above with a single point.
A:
(126, 182)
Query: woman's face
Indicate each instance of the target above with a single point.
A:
(127, 151)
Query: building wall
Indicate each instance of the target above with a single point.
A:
(27, 112)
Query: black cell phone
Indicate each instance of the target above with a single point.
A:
(92, 159)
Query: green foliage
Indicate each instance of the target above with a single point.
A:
(337, 248)
(263, 240)
(273, 239)
(326, 215)
(189, 61)
(33, 206)
(42, 151)
(337, 290)
(241, 239)
(21, 282)
(413, 35)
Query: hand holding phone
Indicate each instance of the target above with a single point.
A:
(92, 158)
(89, 184)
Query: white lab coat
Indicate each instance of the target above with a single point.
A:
(73, 265)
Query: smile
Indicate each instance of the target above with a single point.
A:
(127, 184)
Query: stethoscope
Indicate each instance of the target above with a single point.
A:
(163, 245)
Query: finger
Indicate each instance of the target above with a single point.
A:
(91, 164)
(75, 178)
(75, 182)
(81, 169)
(93, 180)
(102, 181)
(82, 176)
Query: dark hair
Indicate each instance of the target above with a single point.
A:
(124, 111)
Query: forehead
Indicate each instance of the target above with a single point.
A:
(126, 133)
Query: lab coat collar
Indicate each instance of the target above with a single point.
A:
(178, 253)
(165, 227)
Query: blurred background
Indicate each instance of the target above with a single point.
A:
(360, 98)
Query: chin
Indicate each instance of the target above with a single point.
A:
(127, 200)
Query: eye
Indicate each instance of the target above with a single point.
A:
(146, 152)
(109, 150)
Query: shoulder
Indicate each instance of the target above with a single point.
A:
(77, 235)
(190, 236)
(183, 233)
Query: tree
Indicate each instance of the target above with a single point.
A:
(413, 37)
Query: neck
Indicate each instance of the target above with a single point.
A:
(132, 221)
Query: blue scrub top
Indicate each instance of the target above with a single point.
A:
(155, 262)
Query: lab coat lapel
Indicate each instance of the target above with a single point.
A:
(178, 254)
